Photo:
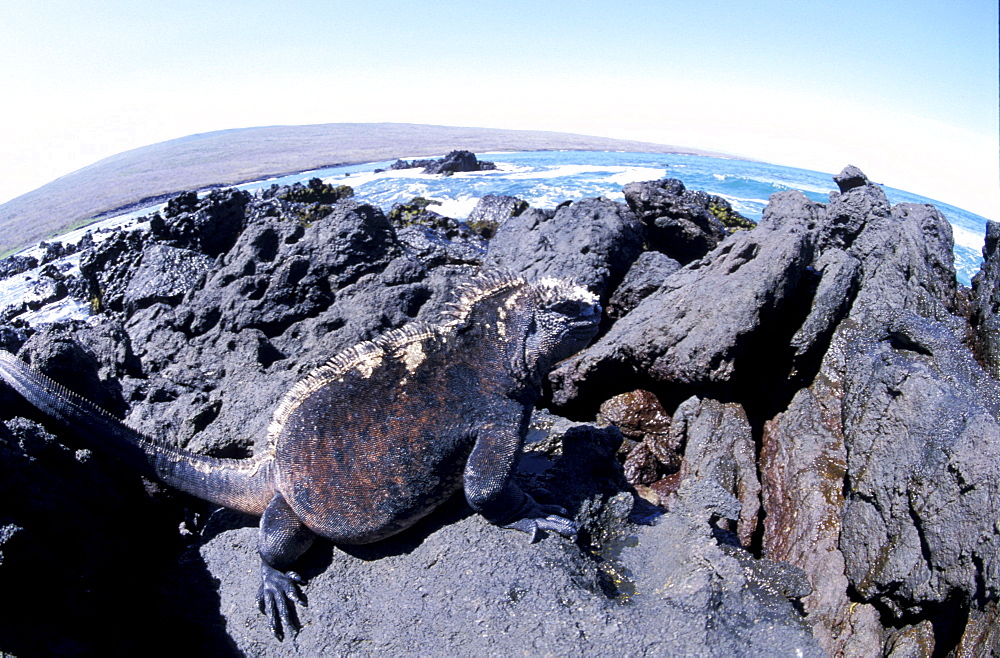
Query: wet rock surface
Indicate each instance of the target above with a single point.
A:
(986, 304)
(783, 446)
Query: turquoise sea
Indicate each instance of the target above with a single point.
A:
(547, 178)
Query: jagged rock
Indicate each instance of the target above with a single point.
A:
(912, 640)
(921, 521)
(278, 274)
(164, 275)
(803, 465)
(839, 273)
(684, 225)
(829, 333)
(982, 633)
(857, 469)
(16, 265)
(849, 178)
(434, 249)
(316, 191)
(433, 238)
(457, 161)
(13, 336)
(55, 250)
(109, 267)
(986, 304)
(592, 242)
(645, 277)
(210, 225)
(285, 294)
(637, 414)
(454, 162)
(89, 360)
(641, 466)
(50, 286)
(851, 210)
(907, 260)
(719, 447)
(730, 307)
(641, 417)
(493, 210)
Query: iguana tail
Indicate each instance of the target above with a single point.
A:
(241, 484)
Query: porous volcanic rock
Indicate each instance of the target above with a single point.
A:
(708, 317)
(986, 304)
(683, 224)
(493, 210)
(591, 241)
(164, 274)
(646, 276)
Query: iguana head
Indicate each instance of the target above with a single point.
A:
(535, 324)
(566, 318)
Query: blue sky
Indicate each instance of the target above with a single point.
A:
(906, 91)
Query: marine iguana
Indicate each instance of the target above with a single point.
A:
(380, 435)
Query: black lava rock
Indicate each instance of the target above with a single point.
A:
(210, 225)
(592, 242)
(986, 304)
(684, 225)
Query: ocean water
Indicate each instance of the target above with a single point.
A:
(544, 179)
(547, 178)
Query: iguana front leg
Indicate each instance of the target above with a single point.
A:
(282, 540)
(490, 488)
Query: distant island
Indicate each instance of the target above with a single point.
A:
(231, 157)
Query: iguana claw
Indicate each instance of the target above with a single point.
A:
(277, 591)
(543, 517)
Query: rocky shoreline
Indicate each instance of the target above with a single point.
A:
(232, 157)
(786, 438)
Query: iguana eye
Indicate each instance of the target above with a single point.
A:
(576, 308)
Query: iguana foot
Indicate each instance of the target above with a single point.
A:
(534, 516)
(278, 590)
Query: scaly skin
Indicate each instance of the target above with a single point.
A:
(379, 436)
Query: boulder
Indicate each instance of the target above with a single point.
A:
(731, 307)
(493, 210)
(209, 225)
(986, 304)
(647, 275)
(164, 275)
(457, 161)
(592, 242)
(849, 178)
(454, 162)
(683, 224)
